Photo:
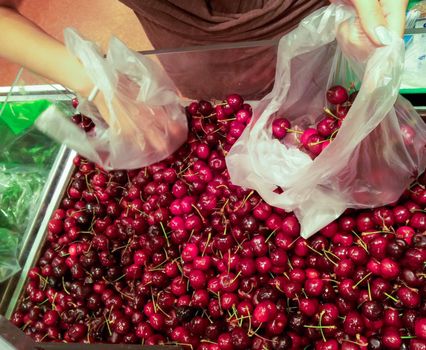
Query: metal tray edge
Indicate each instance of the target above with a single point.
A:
(33, 240)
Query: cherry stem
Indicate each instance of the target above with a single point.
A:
(235, 278)
(107, 324)
(314, 250)
(328, 111)
(231, 315)
(320, 320)
(184, 170)
(289, 246)
(118, 248)
(184, 344)
(417, 210)
(318, 142)
(331, 280)
(119, 278)
(153, 301)
(249, 317)
(361, 280)
(331, 253)
(165, 234)
(333, 135)
(229, 260)
(207, 243)
(220, 304)
(224, 205)
(44, 302)
(255, 331)
(63, 285)
(294, 131)
(190, 235)
(353, 342)
(157, 268)
(165, 313)
(207, 315)
(41, 278)
(226, 120)
(328, 258)
(271, 234)
(369, 290)
(240, 247)
(391, 297)
(266, 339)
(278, 287)
(88, 333)
(199, 213)
(360, 242)
(367, 233)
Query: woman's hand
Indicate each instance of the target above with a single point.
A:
(377, 15)
(373, 27)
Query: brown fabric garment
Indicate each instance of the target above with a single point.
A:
(181, 23)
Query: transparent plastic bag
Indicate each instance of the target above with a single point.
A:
(367, 164)
(20, 188)
(9, 264)
(146, 120)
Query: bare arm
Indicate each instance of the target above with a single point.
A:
(26, 44)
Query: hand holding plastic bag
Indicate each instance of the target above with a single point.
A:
(142, 120)
(367, 164)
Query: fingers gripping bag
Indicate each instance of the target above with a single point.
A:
(376, 153)
(144, 120)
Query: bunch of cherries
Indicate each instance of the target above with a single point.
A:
(174, 253)
(314, 140)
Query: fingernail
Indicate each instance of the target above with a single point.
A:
(383, 35)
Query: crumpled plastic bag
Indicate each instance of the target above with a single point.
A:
(20, 188)
(146, 120)
(9, 264)
(368, 164)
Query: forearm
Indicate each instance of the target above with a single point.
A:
(26, 44)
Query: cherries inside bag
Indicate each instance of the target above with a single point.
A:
(141, 119)
(372, 154)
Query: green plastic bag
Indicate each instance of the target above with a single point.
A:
(9, 264)
(19, 116)
(29, 146)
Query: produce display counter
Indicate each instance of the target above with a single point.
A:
(58, 179)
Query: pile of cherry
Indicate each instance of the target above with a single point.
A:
(174, 253)
(314, 140)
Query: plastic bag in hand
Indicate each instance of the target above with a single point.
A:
(368, 164)
(146, 122)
